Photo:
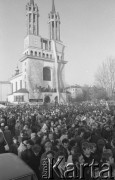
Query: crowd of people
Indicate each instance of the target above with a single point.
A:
(69, 135)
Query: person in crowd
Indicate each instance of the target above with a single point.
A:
(23, 146)
(14, 146)
(86, 150)
(8, 136)
(65, 148)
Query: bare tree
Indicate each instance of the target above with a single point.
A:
(105, 76)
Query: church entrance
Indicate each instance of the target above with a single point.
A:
(47, 99)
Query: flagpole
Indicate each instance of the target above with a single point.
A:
(56, 68)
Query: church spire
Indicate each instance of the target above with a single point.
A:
(32, 16)
(53, 7)
(32, 2)
(54, 23)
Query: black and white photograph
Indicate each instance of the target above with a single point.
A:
(57, 89)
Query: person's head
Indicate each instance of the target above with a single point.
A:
(65, 143)
(107, 157)
(24, 141)
(21, 134)
(57, 143)
(30, 143)
(56, 130)
(50, 136)
(2, 126)
(73, 150)
(93, 147)
(33, 136)
(36, 149)
(52, 123)
(86, 148)
(15, 140)
(87, 136)
(48, 146)
(6, 128)
(59, 121)
(81, 132)
(26, 127)
(50, 154)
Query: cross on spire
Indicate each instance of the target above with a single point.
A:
(53, 6)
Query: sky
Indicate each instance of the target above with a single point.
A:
(87, 31)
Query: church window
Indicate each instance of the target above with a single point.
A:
(34, 9)
(16, 86)
(58, 57)
(20, 84)
(46, 74)
(35, 53)
(50, 56)
(29, 17)
(34, 17)
(12, 87)
(53, 24)
(31, 53)
(29, 8)
(39, 54)
(25, 85)
(47, 55)
(52, 16)
(19, 98)
(43, 55)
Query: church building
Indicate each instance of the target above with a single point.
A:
(41, 78)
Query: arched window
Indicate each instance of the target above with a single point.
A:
(43, 55)
(31, 53)
(46, 74)
(50, 56)
(35, 53)
(39, 54)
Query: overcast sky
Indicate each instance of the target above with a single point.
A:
(87, 31)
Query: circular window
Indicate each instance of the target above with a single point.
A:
(47, 99)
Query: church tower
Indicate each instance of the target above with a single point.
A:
(32, 15)
(54, 24)
(42, 74)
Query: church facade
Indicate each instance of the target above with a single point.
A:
(42, 77)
